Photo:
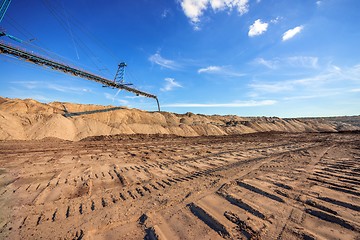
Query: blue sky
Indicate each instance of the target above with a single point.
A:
(287, 58)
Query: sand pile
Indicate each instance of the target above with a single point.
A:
(28, 119)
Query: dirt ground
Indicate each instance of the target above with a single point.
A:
(253, 186)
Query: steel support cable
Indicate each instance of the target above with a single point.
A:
(24, 55)
(87, 32)
(75, 22)
(42, 49)
(81, 44)
(71, 34)
(12, 21)
(63, 19)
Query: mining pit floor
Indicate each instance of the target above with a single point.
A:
(252, 186)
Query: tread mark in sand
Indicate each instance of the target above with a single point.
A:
(122, 197)
(54, 216)
(103, 202)
(319, 206)
(330, 183)
(79, 235)
(167, 183)
(208, 220)
(92, 205)
(139, 192)
(239, 203)
(259, 191)
(146, 189)
(121, 178)
(16, 189)
(284, 194)
(131, 194)
(67, 212)
(161, 185)
(39, 219)
(170, 180)
(345, 191)
(330, 218)
(244, 228)
(112, 177)
(113, 199)
(153, 186)
(81, 208)
(23, 222)
(340, 203)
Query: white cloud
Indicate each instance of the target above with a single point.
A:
(39, 98)
(292, 32)
(303, 61)
(165, 13)
(275, 20)
(356, 90)
(52, 86)
(318, 3)
(251, 103)
(257, 28)
(319, 94)
(272, 64)
(65, 89)
(221, 70)
(113, 98)
(194, 9)
(170, 84)
(295, 61)
(163, 62)
(271, 87)
(209, 69)
(333, 74)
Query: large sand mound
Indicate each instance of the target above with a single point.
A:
(28, 119)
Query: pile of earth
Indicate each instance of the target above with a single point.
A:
(28, 119)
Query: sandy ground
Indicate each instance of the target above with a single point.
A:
(253, 186)
(31, 120)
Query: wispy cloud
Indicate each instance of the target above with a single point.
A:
(222, 70)
(275, 20)
(210, 69)
(52, 86)
(194, 9)
(355, 90)
(251, 103)
(333, 74)
(267, 63)
(292, 32)
(303, 61)
(257, 28)
(272, 87)
(163, 62)
(165, 13)
(294, 61)
(37, 97)
(67, 89)
(170, 84)
(312, 96)
(113, 98)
